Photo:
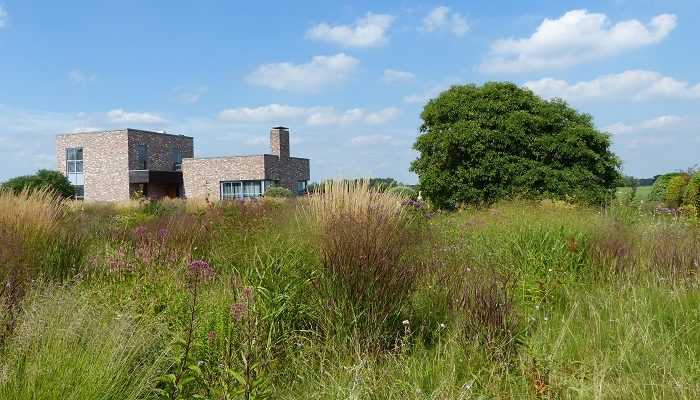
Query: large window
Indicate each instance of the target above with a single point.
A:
(232, 190)
(141, 156)
(74, 170)
(301, 187)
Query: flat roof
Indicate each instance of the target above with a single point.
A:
(108, 131)
(236, 156)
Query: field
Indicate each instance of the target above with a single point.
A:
(349, 295)
(641, 195)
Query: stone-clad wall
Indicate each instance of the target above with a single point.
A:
(105, 163)
(158, 149)
(202, 176)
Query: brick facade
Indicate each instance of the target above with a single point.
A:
(112, 168)
(105, 163)
(202, 176)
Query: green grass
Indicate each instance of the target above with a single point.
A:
(524, 300)
(642, 193)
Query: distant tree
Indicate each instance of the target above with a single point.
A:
(52, 180)
(403, 192)
(658, 189)
(480, 144)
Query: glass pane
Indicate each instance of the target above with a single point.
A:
(79, 154)
(71, 167)
(79, 191)
(78, 166)
(237, 190)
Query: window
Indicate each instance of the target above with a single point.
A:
(301, 187)
(241, 189)
(176, 158)
(141, 156)
(75, 172)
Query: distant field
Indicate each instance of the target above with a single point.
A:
(642, 192)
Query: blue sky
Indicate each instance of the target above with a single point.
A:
(349, 79)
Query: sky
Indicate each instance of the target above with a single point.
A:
(348, 78)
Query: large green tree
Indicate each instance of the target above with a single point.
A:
(480, 144)
(43, 179)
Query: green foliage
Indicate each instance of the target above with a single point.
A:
(692, 191)
(43, 179)
(675, 190)
(403, 192)
(278, 191)
(524, 300)
(658, 189)
(480, 144)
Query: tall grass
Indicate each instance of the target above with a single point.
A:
(367, 242)
(68, 347)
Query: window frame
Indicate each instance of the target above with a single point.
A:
(75, 170)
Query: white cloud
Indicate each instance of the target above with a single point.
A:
(664, 122)
(355, 115)
(370, 140)
(442, 19)
(3, 17)
(369, 31)
(576, 37)
(635, 84)
(268, 113)
(319, 72)
(79, 77)
(314, 116)
(396, 76)
(121, 116)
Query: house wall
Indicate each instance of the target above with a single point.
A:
(202, 176)
(287, 171)
(158, 149)
(105, 163)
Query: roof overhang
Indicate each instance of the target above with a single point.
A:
(148, 176)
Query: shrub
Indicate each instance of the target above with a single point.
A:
(675, 190)
(404, 192)
(692, 191)
(43, 179)
(658, 189)
(278, 191)
(366, 239)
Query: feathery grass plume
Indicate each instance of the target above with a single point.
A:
(366, 239)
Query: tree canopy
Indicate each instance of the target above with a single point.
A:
(480, 144)
(51, 180)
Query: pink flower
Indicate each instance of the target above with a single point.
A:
(238, 310)
(200, 268)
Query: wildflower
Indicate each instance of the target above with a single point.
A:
(200, 268)
(238, 310)
(211, 336)
(163, 233)
(443, 326)
(248, 292)
(405, 322)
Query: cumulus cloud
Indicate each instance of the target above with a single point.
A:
(369, 31)
(314, 116)
(576, 37)
(442, 19)
(121, 116)
(635, 84)
(311, 76)
(268, 113)
(3, 17)
(663, 122)
(397, 76)
(370, 140)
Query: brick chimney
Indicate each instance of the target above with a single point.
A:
(279, 142)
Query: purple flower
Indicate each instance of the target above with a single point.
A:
(163, 233)
(211, 335)
(200, 268)
(238, 310)
(140, 231)
(248, 292)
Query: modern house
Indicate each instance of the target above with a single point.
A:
(114, 165)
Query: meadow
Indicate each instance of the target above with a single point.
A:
(353, 294)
